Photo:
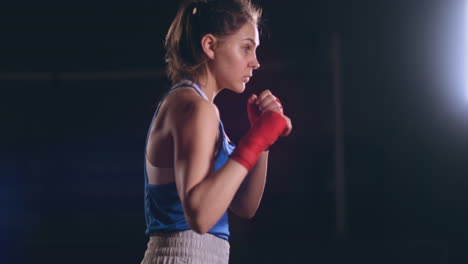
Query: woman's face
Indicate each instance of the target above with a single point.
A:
(235, 58)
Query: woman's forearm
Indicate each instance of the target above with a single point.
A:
(248, 197)
(208, 200)
(230, 186)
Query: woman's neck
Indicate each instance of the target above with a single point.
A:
(209, 86)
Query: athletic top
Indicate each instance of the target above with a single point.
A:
(163, 208)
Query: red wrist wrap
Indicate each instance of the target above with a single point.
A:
(263, 133)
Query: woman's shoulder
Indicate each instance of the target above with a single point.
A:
(185, 103)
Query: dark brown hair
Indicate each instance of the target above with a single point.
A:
(196, 18)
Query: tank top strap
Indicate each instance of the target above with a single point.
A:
(188, 83)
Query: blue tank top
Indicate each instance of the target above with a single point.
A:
(163, 209)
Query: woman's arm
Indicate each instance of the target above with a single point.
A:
(205, 195)
(249, 195)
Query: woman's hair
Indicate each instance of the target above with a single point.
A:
(196, 18)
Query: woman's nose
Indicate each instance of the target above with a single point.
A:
(255, 64)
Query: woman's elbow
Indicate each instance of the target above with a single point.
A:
(197, 218)
(249, 215)
(194, 215)
(198, 224)
(244, 212)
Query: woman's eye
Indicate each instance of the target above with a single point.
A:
(247, 48)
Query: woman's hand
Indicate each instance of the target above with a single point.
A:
(266, 101)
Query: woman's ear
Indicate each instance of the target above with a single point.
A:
(208, 44)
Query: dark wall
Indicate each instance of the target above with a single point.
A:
(79, 84)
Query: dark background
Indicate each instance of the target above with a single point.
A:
(79, 82)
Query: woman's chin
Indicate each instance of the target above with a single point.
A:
(241, 88)
(238, 90)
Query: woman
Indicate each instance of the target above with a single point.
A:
(192, 172)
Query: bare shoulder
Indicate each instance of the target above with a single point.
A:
(186, 105)
(194, 125)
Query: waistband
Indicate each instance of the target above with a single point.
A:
(205, 248)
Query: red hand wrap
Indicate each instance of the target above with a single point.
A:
(281, 105)
(263, 133)
(253, 113)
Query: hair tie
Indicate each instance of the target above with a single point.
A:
(197, 7)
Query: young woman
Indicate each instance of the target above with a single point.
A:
(193, 174)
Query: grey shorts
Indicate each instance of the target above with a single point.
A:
(186, 247)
